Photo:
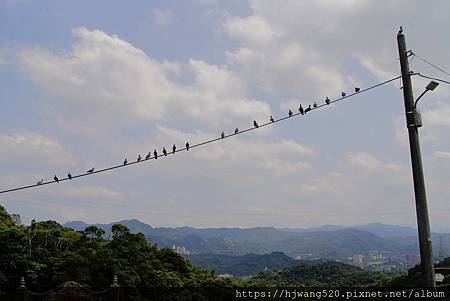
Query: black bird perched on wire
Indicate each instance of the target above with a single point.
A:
(327, 100)
(139, 158)
(255, 124)
(69, 176)
(91, 170)
(222, 135)
(187, 146)
(236, 131)
(56, 179)
(155, 154)
(174, 148)
(300, 109)
(290, 113)
(40, 182)
(148, 156)
(343, 94)
(308, 109)
(357, 89)
(315, 104)
(271, 119)
(164, 151)
(125, 162)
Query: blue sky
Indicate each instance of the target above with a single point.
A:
(86, 83)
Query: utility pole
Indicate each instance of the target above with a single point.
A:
(413, 122)
(441, 248)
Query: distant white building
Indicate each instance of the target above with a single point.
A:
(181, 250)
(358, 260)
(375, 255)
(16, 219)
(412, 260)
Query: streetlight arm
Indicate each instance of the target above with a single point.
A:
(420, 96)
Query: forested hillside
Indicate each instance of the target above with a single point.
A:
(245, 265)
(325, 274)
(48, 254)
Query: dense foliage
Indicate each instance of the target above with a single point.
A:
(245, 265)
(325, 274)
(48, 254)
(414, 277)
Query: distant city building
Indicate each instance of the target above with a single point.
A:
(377, 265)
(412, 260)
(180, 250)
(16, 219)
(442, 252)
(391, 268)
(375, 255)
(358, 260)
(386, 261)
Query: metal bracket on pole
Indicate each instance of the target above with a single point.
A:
(413, 119)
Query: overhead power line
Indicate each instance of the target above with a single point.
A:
(433, 78)
(225, 136)
(431, 64)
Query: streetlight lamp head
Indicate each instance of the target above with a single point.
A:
(432, 85)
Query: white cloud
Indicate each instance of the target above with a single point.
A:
(280, 157)
(307, 46)
(441, 155)
(364, 160)
(108, 99)
(3, 58)
(91, 192)
(162, 17)
(10, 180)
(369, 162)
(290, 105)
(253, 29)
(26, 147)
(105, 82)
(375, 68)
(308, 189)
(439, 115)
(206, 1)
(12, 3)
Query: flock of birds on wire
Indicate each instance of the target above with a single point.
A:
(174, 148)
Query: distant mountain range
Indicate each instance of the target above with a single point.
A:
(331, 242)
(134, 225)
(374, 228)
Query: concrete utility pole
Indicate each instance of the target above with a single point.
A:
(413, 122)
